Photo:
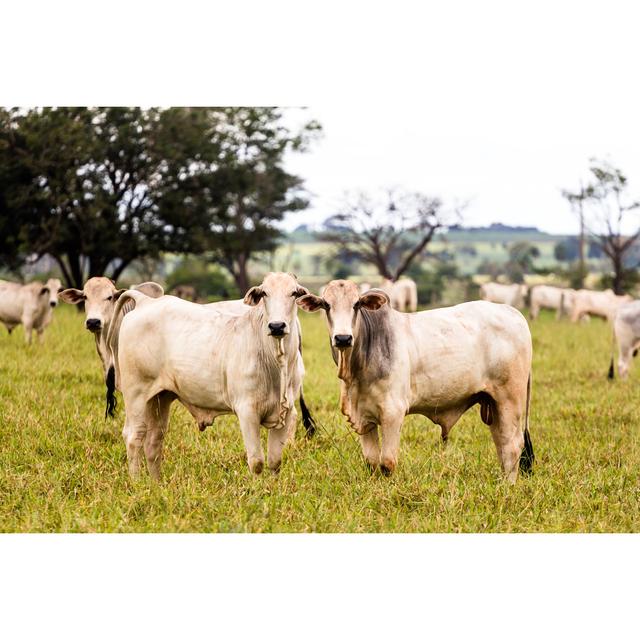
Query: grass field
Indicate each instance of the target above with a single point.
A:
(63, 467)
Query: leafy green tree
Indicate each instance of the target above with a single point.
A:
(238, 190)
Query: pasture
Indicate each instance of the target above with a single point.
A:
(63, 467)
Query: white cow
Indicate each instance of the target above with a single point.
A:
(28, 304)
(100, 296)
(557, 299)
(436, 363)
(402, 293)
(364, 286)
(511, 294)
(214, 363)
(626, 333)
(596, 303)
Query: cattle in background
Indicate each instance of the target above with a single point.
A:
(402, 293)
(363, 287)
(626, 333)
(436, 363)
(99, 296)
(603, 304)
(512, 294)
(185, 291)
(557, 299)
(28, 304)
(214, 364)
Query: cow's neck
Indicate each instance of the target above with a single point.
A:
(282, 353)
(374, 347)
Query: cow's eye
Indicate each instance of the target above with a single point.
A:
(110, 298)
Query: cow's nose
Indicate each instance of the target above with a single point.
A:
(53, 303)
(93, 324)
(343, 340)
(277, 328)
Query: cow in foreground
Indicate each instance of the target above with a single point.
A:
(28, 304)
(213, 363)
(626, 334)
(100, 296)
(554, 298)
(512, 294)
(603, 304)
(403, 294)
(436, 363)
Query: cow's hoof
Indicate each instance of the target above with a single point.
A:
(371, 466)
(386, 470)
(256, 466)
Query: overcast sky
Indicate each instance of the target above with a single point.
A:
(508, 176)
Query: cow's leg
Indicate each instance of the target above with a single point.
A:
(40, 333)
(508, 437)
(370, 444)
(625, 353)
(135, 430)
(250, 427)
(277, 438)
(157, 421)
(390, 426)
(535, 311)
(28, 327)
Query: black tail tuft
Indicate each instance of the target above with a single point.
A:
(307, 420)
(110, 411)
(527, 456)
(611, 375)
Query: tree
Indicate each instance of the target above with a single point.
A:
(100, 188)
(521, 256)
(609, 206)
(577, 200)
(91, 200)
(389, 232)
(236, 185)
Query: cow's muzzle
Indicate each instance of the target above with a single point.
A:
(93, 324)
(342, 341)
(277, 329)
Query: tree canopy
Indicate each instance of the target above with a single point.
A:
(97, 188)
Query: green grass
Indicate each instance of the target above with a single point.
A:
(63, 467)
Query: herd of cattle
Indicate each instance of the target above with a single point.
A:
(244, 357)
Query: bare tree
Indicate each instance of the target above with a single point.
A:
(607, 217)
(576, 200)
(388, 232)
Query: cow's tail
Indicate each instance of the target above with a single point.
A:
(612, 369)
(527, 456)
(128, 296)
(307, 419)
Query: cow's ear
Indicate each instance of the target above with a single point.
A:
(300, 291)
(44, 291)
(253, 296)
(117, 293)
(372, 299)
(309, 302)
(72, 296)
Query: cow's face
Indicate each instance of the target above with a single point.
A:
(342, 301)
(99, 296)
(278, 293)
(53, 288)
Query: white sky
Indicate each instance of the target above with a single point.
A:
(510, 177)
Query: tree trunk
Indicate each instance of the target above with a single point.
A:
(117, 272)
(618, 288)
(581, 250)
(240, 275)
